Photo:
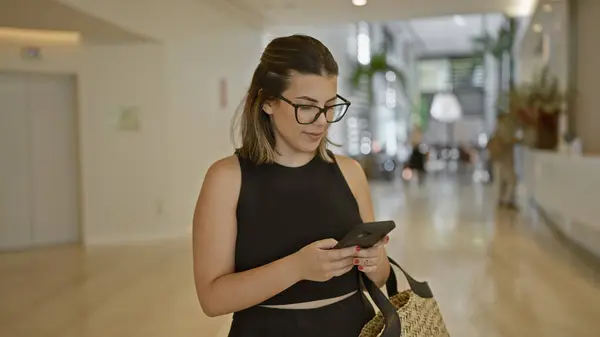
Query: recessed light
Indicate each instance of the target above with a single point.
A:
(34, 36)
(359, 2)
(522, 7)
(538, 28)
(547, 8)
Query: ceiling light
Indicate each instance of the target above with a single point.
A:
(538, 28)
(359, 2)
(547, 8)
(446, 108)
(522, 8)
(19, 35)
(460, 21)
(363, 49)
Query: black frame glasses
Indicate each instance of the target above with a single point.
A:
(346, 103)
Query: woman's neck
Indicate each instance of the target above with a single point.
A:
(292, 158)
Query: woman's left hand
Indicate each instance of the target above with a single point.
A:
(368, 260)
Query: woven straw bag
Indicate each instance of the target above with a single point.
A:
(411, 313)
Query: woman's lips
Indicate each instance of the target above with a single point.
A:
(315, 135)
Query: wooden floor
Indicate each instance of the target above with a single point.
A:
(493, 273)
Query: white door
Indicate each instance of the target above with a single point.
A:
(54, 174)
(15, 221)
(48, 161)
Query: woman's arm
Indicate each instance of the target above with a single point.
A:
(220, 290)
(357, 180)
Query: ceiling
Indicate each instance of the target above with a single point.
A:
(52, 15)
(304, 12)
(452, 34)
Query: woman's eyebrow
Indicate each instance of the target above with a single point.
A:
(315, 100)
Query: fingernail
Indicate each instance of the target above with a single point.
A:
(357, 248)
(360, 268)
(356, 261)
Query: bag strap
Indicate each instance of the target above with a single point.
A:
(420, 288)
(393, 325)
(391, 285)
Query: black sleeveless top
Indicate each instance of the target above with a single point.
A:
(282, 209)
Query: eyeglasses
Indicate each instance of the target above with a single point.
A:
(308, 114)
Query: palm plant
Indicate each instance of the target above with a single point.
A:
(498, 47)
(377, 65)
(362, 74)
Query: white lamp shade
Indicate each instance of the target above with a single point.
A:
(446, 108)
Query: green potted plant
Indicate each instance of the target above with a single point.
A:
(538, 106)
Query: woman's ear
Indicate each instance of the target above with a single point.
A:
(268, 107)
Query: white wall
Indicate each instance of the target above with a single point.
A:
(549, 47)
(124, 174)
(121, 173)
(567, 188)
(198, 127)
(143, 185)
(167, 20)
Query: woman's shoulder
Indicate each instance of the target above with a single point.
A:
(348, 164)
(351, 169)
(225, 170)
(356, 179)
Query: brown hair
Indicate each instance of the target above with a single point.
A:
(299, 53)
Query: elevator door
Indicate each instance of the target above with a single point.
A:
(39, 169)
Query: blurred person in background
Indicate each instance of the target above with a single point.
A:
(501, 148)
(418, 157)
(268, 217)
(417, 161)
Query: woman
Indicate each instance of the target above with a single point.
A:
(268, 217)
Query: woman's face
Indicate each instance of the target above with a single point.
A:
(315, 90)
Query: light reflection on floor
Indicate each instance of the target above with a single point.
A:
(490, 269)
(494, 274)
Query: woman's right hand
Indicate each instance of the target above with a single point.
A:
(319, 262)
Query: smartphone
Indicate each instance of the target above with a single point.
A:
(366, 235)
